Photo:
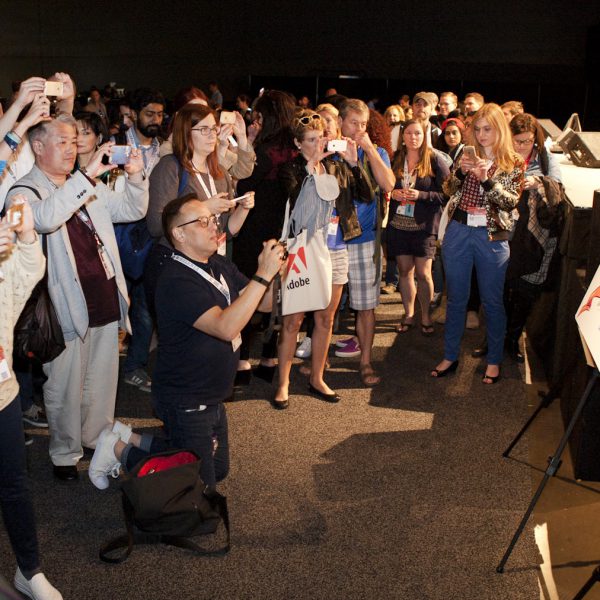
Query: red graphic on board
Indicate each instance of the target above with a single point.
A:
(588, 304)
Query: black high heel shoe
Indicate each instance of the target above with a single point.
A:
(242, 377)
(443, 372)
(265, 373)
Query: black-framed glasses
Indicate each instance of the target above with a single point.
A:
(204, 130)
(523, 142)
(306, 120)
(204, 221)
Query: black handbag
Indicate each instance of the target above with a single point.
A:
(168, 507)
(38, 333)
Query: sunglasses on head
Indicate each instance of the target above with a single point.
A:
(306, 120)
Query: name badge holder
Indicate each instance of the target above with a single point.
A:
(406, 208)
(476, 217)
(332, 228)
(5, 374)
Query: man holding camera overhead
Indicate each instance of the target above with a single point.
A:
(85, 281)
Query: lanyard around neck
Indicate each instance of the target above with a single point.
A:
(220, 285)
(213, 188)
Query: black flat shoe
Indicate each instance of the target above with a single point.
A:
(322, 395)
(265, 373)
(280, 404)
(443, 372)
(68, 473)
(480, 351)
(242, 377)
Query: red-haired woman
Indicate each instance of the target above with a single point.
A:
(192, 168)
(484, 191)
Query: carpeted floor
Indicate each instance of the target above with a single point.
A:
(397, 492)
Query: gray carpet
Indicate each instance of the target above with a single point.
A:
(397, 492)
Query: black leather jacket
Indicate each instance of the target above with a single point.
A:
(354, 183)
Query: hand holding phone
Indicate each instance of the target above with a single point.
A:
(468, 160)
(337, 146)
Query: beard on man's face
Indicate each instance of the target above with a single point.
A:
(150, 131)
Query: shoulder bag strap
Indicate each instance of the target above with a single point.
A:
(131, 539)
(183, 179)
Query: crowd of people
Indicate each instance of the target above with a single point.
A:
(173, 217)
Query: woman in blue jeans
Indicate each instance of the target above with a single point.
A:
(483, 192)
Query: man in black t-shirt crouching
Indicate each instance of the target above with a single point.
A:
(202, 304)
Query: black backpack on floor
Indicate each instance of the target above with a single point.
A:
(168, 507)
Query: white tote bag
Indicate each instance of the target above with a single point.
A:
(306, 282)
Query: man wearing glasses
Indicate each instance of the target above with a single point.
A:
(202, 304)
(85, 281)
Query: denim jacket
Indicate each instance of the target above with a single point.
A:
(354, 183)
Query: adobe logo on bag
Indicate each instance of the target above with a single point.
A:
(294, 267)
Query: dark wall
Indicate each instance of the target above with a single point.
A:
(172, 44)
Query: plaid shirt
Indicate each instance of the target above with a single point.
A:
(472, 192)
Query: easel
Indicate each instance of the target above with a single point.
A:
(553, 466)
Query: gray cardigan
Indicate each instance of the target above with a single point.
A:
(56, 207)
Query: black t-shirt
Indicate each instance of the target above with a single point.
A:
(193, 367)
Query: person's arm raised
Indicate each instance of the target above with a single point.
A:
(227, 323)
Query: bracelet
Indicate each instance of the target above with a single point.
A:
(260, 280)
(12, 140)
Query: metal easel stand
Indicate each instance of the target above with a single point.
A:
(553, 466)
(547, 399)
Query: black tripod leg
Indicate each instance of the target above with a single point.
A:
(551, 470)
(545, 403)
(588, 585)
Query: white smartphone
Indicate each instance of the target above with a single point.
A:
(227, 118)
(53, 88)
(240, 198)
(337, 146)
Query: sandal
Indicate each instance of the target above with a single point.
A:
(368, 376)
(437, 373)
(427, 330)
(404, 327)
(489, 380)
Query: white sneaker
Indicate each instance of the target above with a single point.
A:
(123, 431)
(304, 350)
(104, 462)
(38, 588)
(472, 320)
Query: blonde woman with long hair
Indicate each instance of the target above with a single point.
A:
(483, 192)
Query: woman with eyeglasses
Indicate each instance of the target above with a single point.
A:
(321, 192)
(413, 222)
(273, 113)
(483, 193)
(533, 249)
(192, 168)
